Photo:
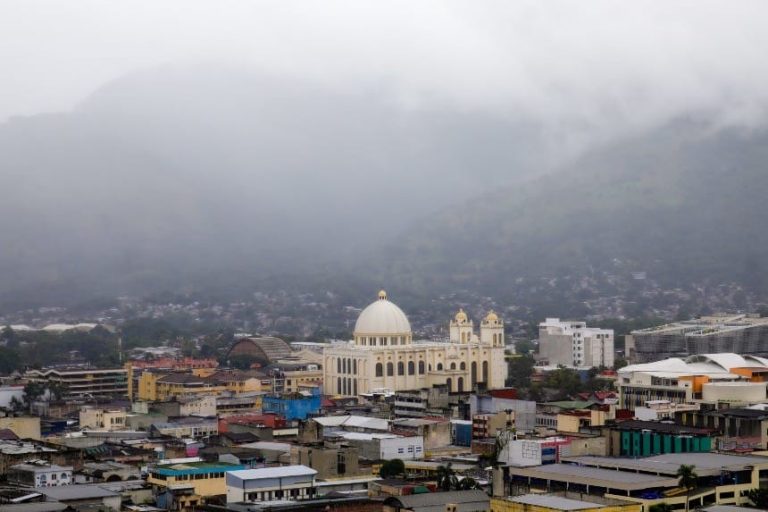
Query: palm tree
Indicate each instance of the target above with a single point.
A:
(688, 479)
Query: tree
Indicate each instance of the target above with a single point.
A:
(467, 484)
(33, 391)
(688, 479)
(758, 497)
(392, 468)
(446, 477)
(520, 371)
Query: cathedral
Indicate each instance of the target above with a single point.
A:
(383, 355)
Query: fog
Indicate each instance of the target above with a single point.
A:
(147, 145)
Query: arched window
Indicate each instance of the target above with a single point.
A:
(439, 367)
(411, 368)
(338, 386)
(453, 366)
(354, 366)
(460, 384)
(390, 369)
(449, 383)
(354, 387)
(379, 370)
(430, 367)
(463, 366)
(338, 365)
(421, 367)
(474, 374)
(400, 368)
(485, 372)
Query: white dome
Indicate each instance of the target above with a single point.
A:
(382, 318)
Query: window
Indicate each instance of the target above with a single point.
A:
(421, 367)
(439, 367)
(400, 450)
(354, 366)
(400, 368)
(390, 369)
(411, 368)
(338, 365)
(463, 366)
(453, 366)
(379, 370)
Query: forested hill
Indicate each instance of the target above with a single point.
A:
(686, 205)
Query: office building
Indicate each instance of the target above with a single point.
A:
(573, 344)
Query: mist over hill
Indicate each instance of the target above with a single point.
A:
(679, 211)
(198, 177)
(211, 180)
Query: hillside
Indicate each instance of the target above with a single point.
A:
(685, 205)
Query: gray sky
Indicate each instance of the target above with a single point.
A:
(599, 66)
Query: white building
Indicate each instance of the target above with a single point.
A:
(270, 484)
(383, 355)
(562, 342)
(373, 446)
(40, 474)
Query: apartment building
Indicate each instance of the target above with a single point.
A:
(573, 344)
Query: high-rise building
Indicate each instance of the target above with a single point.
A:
(571, 343)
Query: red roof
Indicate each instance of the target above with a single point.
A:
(504, 393)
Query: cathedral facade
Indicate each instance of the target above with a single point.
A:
(383, 355)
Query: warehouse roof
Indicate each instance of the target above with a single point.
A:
(599, 477)
(707, 464)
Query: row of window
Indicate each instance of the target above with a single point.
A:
(346, 366)
(382, 341)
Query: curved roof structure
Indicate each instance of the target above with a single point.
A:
(265, 348)
(382, 318)
(699, 364)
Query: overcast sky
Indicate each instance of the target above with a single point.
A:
(566, 63)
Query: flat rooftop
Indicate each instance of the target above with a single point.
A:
(707, 464)
(598, 477)
(553, 502)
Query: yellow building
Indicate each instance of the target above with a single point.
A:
(97, 418)
(551, 503)
(383, 355)
(162, 386)
(188, 485)
(25, 427)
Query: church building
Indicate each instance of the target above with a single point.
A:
(383, 354)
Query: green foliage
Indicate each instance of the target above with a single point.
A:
(661, 507)
(565, 381)
(392, 468)
(524, 347)
(758, 497)
(688, 479)
(10, 360)
(446, 477)
(520, 370)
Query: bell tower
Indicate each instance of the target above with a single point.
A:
(461, 328)
(492, 330)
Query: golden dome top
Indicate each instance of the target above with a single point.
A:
(382, 295)
(492, 317)
(461, 316)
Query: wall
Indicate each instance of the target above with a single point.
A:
(25, 427)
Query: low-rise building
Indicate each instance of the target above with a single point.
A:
(434, 401)
(435, 432)
(636, 438)
(742, 430)
(40, 474)
(330, 460)
(293, 406)
(195, 428)
(187, 485)
(83, 381)
(556, 503)
(25, 427)
(384, 446)
(270, 484)
(458, 501)
(102, 419)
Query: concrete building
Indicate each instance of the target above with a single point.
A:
(194, 428)
(179, 406)
(330, 460)
(723, 377)
(573, 344)
(383, 355)
(40, 474)
(738, 429)
(189, 484)
(293, 406)
(555, 503)
(452, 501)
(97, 418)
(25, 427)
(271, 484)
(434, 401)
(635, 438)
(740, 334)
(155, 385)
(436, 433)
(490, 403)
(375, 447)
(646, 481)
(84, 381)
